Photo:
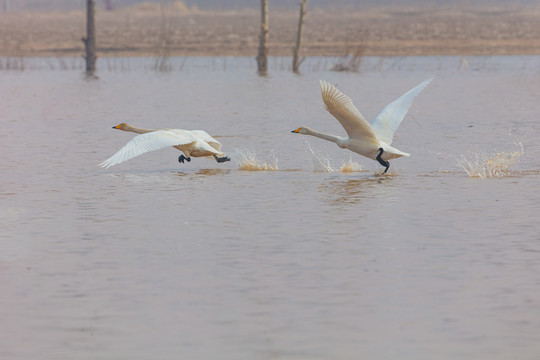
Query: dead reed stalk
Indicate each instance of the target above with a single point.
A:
(350, 61)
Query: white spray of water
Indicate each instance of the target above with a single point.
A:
(248, 161)
(321, 163)
(483, 165)
(350, 166)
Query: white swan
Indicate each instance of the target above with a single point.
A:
(370, 140)
(196, 143)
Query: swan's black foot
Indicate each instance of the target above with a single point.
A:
(222, 159)
(384, 163)
(181, 159)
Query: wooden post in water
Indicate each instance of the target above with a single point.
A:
(262, 57)
(296, 52)
(90, 39)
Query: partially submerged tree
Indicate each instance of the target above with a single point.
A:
(296, 51)
(90, 39)
(262, 57)
(161, 62)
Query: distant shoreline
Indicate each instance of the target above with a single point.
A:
(374, 32)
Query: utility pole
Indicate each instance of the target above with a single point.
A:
(296, 52)
(90, 39)
(262, 57)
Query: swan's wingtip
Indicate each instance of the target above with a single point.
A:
(326, 87)
(325, 84)
(105, 165)
(429, 79)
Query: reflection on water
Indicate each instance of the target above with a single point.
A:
(204, 172)
(354, 191)
(208, 261)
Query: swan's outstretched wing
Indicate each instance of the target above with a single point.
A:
(151, 141)
(342, 108)
(207, 138)
(387, 122)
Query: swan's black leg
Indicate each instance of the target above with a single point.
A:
(181, 159)
(384, 163)
(222, 159)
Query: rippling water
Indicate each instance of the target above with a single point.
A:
(320, 258)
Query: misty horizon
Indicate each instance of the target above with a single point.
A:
(52, 5)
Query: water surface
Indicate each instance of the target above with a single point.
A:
(152, 259)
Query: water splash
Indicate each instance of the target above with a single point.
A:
(350, 166)
(490, 165)
(249, 162)
(321, 163)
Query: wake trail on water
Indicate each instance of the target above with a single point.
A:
(249, 161)
(483, 165)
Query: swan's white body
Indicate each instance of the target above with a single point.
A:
(364, 138)
(196, 143)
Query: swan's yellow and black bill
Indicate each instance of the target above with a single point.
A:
(116, 127)
(296, 131)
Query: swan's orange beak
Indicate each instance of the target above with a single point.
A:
(296, 131)
(116, 127)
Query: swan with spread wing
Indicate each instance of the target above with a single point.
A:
(193, 143)
(370, 140)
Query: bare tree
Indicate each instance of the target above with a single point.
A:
(296, 52)
(161, 62)
(90, 39)
(262, 57)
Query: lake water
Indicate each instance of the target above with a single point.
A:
(152, 259)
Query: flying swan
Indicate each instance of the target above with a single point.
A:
(370, 140)
(194, 143)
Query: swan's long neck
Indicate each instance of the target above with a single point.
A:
(327, 137)
(137, 130)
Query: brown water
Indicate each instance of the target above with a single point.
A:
(318, 258)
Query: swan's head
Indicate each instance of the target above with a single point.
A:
(301, 130)
(121, 126)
